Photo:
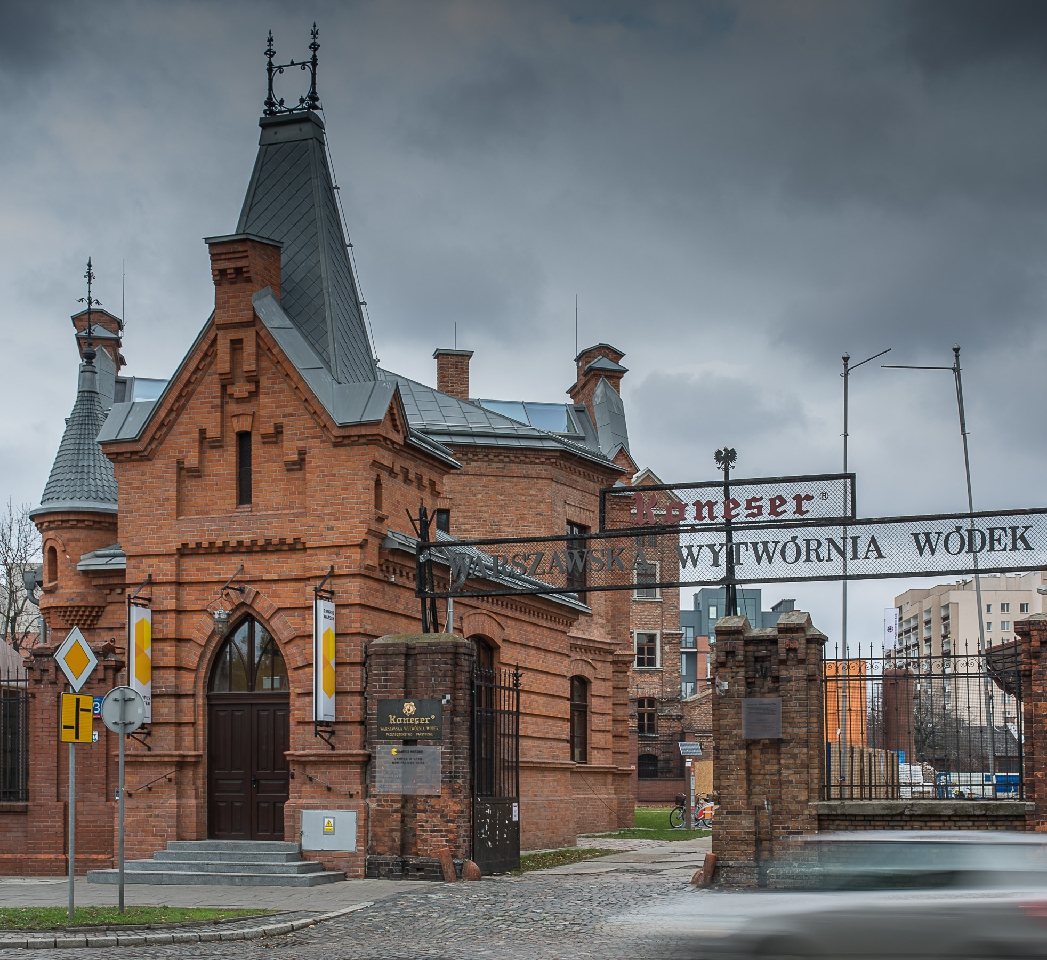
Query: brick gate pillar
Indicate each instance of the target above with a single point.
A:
(406, 834)
(1032, 643)
(765, 785)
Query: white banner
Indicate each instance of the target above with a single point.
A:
(140, 648)
(323, 661)
(890, 628)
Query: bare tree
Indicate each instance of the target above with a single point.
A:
(19, 551)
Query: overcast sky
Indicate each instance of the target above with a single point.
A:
(737, 192)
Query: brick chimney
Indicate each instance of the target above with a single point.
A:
(241, 265)
(452, 372)
(601, 362)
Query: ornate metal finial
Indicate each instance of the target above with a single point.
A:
(311, 101)
(726, 458)
(89, 351)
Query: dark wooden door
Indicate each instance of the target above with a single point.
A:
(247, 772)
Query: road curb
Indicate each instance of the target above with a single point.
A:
(110, 939)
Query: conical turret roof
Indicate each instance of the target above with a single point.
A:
(291, 198)
(81, 477)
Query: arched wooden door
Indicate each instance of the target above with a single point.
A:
(248, 734)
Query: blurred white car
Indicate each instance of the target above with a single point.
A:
(887, 894)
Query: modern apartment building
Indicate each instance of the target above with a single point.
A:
(944, 618)
(942, 621)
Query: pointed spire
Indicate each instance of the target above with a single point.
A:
(82, 478)
(291, 198)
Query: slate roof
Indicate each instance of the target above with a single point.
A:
(81, 476)
(449, 420)
(291, 199)
(609, 413)
(604, 363)
(395, 540)
(346, 403)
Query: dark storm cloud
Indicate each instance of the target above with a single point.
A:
(738, 192)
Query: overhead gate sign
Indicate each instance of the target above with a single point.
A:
(766, 531)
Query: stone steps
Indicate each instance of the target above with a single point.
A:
(238, 863)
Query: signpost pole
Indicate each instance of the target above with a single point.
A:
(72, 827)
(120, 829)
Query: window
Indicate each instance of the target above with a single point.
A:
(249, 661)
(1023, 608)
(647, 766)
(713, 610)
(988, 608)
(576, 534)
(647, 649)
(645, 579)
(243, 468)
(443, 520)
(988, 624)
(579, 720)
(1005, 608)
(1005, 624)
(51, 565)
(647, 716)
(378, 494)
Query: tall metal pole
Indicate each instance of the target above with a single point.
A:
(987, 689)
(72, 828)
(847, 368)
(844, 772)
(725, 459)
(120, 834)
(987, 694)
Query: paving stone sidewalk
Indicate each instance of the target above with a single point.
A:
(592, 910)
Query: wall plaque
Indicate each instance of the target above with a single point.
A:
(762, 718)
(407, 771)
(410, 719)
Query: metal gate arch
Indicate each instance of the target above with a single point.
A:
(496, 769)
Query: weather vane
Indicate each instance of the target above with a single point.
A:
(89, 352)
(311, 101)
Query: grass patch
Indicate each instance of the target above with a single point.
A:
(53, 918)
(559, 858)
(652, 823)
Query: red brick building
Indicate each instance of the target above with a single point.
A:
(279, 451)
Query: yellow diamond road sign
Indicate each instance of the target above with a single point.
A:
(76, 659)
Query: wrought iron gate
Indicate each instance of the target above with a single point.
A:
(496, 770)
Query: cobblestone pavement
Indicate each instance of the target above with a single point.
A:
(539, 915)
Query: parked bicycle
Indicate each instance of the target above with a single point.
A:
(703, 819)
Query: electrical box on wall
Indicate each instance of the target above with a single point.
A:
(329, 830)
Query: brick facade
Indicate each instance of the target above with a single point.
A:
(324, 496)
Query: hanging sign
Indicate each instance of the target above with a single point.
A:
(890, 628)
(323, 660)
(140, 629)
(77, 724)
(77, 660)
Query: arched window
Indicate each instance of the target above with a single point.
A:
(484, 654)
(51, 565)
(647, 766)
(579, 720)
(249, 662)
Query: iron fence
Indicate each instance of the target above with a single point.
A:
(14, 739)
(913, 724)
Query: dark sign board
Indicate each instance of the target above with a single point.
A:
(762, 718)
(410, 719)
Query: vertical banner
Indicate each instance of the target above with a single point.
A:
(140, 629)
(890, 628)
(323, 660)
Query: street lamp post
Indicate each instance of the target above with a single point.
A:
(987, 693)
(847, 369)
